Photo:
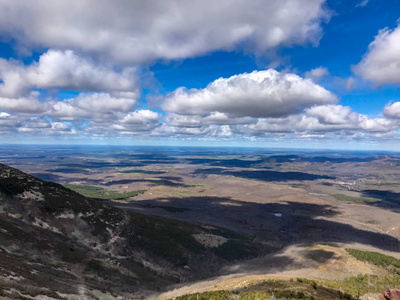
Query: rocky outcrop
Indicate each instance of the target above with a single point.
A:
(391, 294)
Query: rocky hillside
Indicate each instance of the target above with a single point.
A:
(57, 243)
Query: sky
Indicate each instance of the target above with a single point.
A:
(269, 73)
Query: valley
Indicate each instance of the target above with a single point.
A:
(201, 220)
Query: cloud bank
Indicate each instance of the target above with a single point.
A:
(381, 64)
(258, 94)
(88, 80)
(141, 31)
(65, 70)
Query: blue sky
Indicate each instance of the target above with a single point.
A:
(275, 73)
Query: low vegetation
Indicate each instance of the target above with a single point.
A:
(100, 193)
(302, 288)
(274, 289)
(358, 200)
(363, 284)
(376, 258)
(217, 295)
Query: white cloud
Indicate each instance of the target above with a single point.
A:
(215, 118)
(317, 122)
(102, 102)
(334, 118)
(138, 122)
(392, 110)
(65, 70)
(36, 122)
(141, 117)
(201, 131)
(40, 127)
(350, 83)
(333, 114)
(258, 94)
(4, 115)
(139, 31)
(381, 64)
(96, 106)
(8, 122)
(59, 126)
(363, 3)
(317, 74)
(30, 104)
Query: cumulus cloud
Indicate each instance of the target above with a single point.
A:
(36, 122)
(138, 122)
(334, 118)
(317, 74)
(222, 131)
(258, 94)
(59, 126)
(8, 122)
(316, 122)
(141, 117)
(381, 64)
(39, 126)
(64, 70)
(215, 118)
(93, 105)
(139, 31)
(88, 114)
(333, 114)
(102, 102)
(30, 104)
(392, 110)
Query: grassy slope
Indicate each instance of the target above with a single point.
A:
(100, 193)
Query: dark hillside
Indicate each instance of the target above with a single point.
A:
(56, 242)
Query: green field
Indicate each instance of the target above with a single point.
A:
(100, 193)
(358, 200)
(375, 258)
(273, 289)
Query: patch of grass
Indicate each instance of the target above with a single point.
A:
(100, 193)
(313, 283)
(157, 182)
(184, 194)
(358, 200)
(254, 295)
(217, 295)
(378, 259)
(352, 287)
(362, 284)
(274, 289)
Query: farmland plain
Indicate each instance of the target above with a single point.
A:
(305, 207)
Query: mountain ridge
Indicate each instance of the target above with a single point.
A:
(56, 242)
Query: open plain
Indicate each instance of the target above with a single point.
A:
(304, 207)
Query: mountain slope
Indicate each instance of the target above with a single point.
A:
(56, 242)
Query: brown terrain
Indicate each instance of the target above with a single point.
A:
(303, 209)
